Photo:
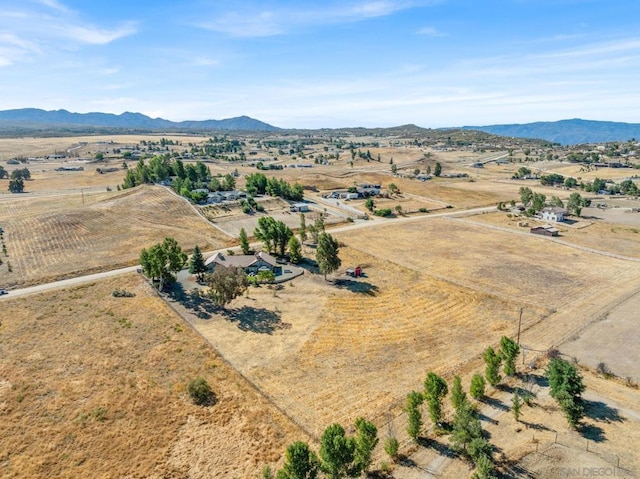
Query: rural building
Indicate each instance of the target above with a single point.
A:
(299, 208)
(367, 189)
(553, 213)
(250, 263)
(545, 230)
(220, 196)
(352, 196)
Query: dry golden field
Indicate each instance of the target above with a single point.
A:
(54, 237)
(599, 235)
(331, 353)
(95, 386)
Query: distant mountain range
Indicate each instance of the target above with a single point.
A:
(567, 132)
(31, 116)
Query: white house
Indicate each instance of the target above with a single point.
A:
(553, 213)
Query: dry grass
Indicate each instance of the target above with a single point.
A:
(94, 386)
(340, 345)
(57, 237)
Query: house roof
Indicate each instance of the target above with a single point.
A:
(554, 209)
(548, 228)
(240, 261)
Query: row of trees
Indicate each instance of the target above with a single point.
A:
(259, 184)
(534, 202)
(340, 455)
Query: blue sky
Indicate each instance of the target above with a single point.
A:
(315, 64)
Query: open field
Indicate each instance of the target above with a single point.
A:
(55, 237)
(340, 345)
(587, 232)
(95, 386)
(608, 340)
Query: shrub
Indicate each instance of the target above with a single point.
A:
(384, 212)
(391, 447)
(122, 293)
(200, 392)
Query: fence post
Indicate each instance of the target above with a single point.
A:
(587, 445)
(555, 441)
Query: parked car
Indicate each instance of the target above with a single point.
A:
(3, 291)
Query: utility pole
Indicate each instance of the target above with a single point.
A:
(519, 325)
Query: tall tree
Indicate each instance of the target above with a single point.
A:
(414, 416)
(435, 388)
(196, 264)
(437, 171)
(466, 427)
(327, 254)
(162, 259)
(366, 441)
(509, 351)
(303, 228)
(492, 366)
(244, 241)
(295, 250)
(458, 396)
(477, 386)
(516, 405)
(337, 452)
(300, 462)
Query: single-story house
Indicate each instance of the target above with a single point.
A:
(553, 213)
(250, 263)
(545, 230)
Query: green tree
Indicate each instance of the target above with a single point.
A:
(485, 469)
(225, 284)
(516, 405)
(163, 259)
(437, 171)
(435, 388)
(300, 462)
(526, 195)
(366, 440)
(327, 254)
(466, 427)
(509, 351)
(394, 169)
(295, 250)
(566, 385)
(492, 366)
(576, 203)
(370, 204)
(303, 228)
(478, 447)
(199, 391)
(337, 452)
(196, 264)
(477, 386)
(458, 396)
(3, 173)
(273, 234)
(392, 447)
(16, 186)
(414, 416)
(244, 241)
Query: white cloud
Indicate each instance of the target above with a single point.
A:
(430, 31)
(50, 27)
(96, 36)
(254, 22)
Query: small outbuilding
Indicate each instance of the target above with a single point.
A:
(545, 230)
(299, 208)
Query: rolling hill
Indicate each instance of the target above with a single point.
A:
(567, 132)
(35, 116)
